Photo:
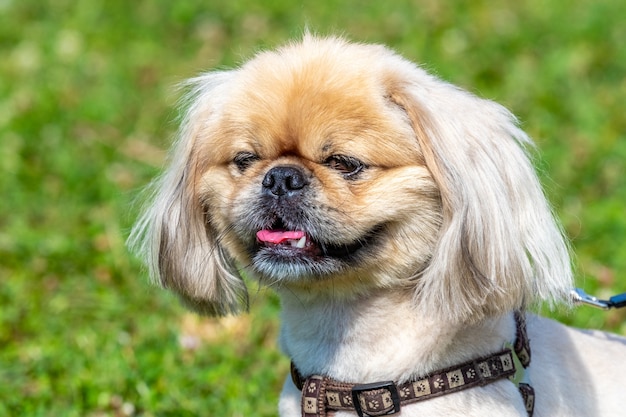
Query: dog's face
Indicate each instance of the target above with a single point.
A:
(341, 168)
(311, 179)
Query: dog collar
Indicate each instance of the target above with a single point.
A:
(321, 394)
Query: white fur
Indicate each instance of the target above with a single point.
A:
(574, 373)
(498, 249)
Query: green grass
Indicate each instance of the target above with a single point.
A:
(87, 111)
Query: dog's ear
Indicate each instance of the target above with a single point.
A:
(499, 246)
(173, 235)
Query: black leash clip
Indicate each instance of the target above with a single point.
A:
(581, 297)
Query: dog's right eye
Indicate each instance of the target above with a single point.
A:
(243, 160)
(349, 167)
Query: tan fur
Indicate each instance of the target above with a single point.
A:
(453, 227)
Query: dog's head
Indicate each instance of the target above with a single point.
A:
(335, 169)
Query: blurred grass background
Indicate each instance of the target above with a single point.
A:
(87, 112)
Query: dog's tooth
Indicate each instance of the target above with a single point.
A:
(301, 242)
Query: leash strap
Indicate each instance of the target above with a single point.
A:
(528, 395)
(522, 350)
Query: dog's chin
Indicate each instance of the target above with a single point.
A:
(299, 257)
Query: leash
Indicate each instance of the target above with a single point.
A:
(581, 297)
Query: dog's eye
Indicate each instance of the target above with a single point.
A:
(346, 165)
(243, 160)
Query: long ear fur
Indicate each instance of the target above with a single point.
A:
(500, 247)
(173, 235)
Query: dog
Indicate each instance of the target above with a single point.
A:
(401, 222)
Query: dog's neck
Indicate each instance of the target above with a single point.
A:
(380, 337)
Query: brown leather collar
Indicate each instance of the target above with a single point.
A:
(321, 394)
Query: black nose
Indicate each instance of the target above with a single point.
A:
(284, 180)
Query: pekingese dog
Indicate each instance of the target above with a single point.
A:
(401, 222)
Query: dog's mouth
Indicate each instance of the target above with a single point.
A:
(299, 242)
(284, 253)
(296, 240)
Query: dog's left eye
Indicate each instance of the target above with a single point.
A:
(346, 165)
(243, 160)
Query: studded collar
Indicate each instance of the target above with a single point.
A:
(321, 394)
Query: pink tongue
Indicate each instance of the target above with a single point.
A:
(278, 236)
